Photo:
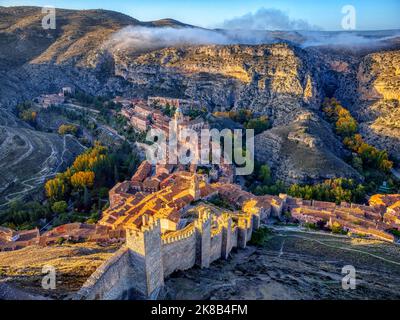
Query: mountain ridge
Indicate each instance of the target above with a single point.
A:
(282, 79)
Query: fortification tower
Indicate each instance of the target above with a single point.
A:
(226, 236)
(194, 188)
(146, 257)
(203, 238)
(178, 120)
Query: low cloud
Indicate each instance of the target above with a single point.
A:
(267, 19)
(139, 38)
(347, 39)
(135, 37)
(149, 38)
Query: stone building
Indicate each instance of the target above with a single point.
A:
(163, 102)
(374, 220)
(13, 240)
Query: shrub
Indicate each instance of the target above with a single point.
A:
(395, 232)
(59, 207)
(337, 228)
(60, 241)
(29, 116)
(258, 237)
(312, 226)
(68, 129)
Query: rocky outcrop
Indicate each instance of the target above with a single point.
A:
(276, 80)
(305, 151)
(379, 76)
(379, 100)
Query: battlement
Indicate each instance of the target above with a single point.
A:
(178, 235)
(153, 255)
(216, 231)
(149, 224)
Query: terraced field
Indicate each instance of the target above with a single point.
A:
(29, 157)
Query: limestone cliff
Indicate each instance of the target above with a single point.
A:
(379, 99)
(269, 79)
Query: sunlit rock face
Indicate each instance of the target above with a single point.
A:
(269, 79)
(379, 76)
(379, 99)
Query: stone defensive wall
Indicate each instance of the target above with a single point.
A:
(179, 249)
(149, 256)
(110, 280)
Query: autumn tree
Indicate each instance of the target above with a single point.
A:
(55, 189)
(68, 129)
(347, 127)
(29, 116)
(82, 179)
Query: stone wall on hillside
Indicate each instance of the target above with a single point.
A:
(110, 280)
(150, 256)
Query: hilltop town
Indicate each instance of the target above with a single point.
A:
(76, 179)
(170, 217)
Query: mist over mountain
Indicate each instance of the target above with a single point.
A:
(148, 38)
(281, 74)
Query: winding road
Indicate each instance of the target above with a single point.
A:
(48, 168)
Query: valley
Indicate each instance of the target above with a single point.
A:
(76, 190)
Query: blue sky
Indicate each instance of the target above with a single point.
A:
(371, 14)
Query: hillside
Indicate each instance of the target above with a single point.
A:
(283, 79)
(295, 266)
(74, 263)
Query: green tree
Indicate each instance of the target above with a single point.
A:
(265, 174)
(59, 207)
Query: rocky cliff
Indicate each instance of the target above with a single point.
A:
(281, 80)
(304, 151)
(379, 99)
(268, 79)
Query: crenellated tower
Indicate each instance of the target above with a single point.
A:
(194, 188)
(144, 243)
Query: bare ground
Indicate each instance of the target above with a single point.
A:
(21, 271)
(295, 266)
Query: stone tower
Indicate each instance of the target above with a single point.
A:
(146, 257)
(226, 236)
(178, 120)
(194, 189)
(203, 238)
